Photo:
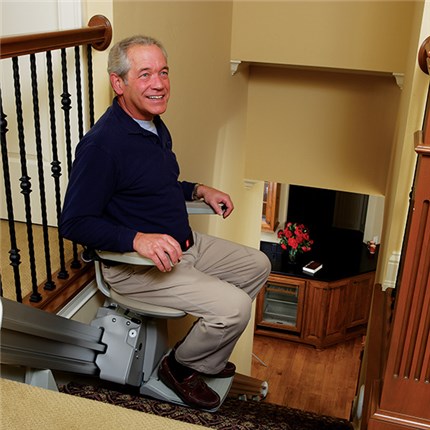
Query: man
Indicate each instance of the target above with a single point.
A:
(124, 195)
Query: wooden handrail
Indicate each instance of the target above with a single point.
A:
(98, 34)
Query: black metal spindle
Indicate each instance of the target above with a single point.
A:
(14, 256)
(66, 105)
(79, 92)
(25, 181)
(90, 84)
(49, 284)
(55, 164)
(78, 78)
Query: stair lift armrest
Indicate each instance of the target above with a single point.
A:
(193, 207)
(125, 257)
(199, 207)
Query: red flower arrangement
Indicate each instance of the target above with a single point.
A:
(295, 239)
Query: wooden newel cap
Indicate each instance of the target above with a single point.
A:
(101, 21)
(424, 56)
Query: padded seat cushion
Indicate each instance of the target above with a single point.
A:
(146, 309)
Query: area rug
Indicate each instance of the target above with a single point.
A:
(234, 414)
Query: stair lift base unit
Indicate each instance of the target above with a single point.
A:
(118, 346)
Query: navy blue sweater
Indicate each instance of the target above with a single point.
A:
(124, 180)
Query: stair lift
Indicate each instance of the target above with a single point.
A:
(124, 343)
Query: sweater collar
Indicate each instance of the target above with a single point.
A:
(134, 128)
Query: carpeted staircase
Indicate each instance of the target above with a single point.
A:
(234, 414)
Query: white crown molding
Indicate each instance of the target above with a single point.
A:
(399, 77)
(234, 65)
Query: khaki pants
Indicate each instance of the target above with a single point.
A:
(216, 281)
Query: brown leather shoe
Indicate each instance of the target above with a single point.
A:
(192, 390)
(228, 371)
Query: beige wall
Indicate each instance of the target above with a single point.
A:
(356, 35)
(319, 128)
(346, 131)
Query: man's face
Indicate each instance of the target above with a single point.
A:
(145, 90)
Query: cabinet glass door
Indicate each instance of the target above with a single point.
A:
(282, 304)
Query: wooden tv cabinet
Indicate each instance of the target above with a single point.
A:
(314, 312)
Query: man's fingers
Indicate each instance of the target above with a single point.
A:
(163, 262)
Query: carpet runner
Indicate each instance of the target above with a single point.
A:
(234, 414)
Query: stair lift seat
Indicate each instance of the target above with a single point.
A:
(136, 332)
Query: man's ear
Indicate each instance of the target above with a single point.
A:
(117, 83)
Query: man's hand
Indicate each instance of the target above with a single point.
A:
(220, 202)
(162, 249)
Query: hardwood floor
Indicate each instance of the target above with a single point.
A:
(302, 377)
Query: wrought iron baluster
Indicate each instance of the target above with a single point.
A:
(76, 262)
(86, 254)
(55, 164)
(14, 256)
(90, 84)
(50, 284)
(79, 91)
(25, 181)
(67, 106)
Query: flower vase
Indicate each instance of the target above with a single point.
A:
(289, 261)
(292, 253)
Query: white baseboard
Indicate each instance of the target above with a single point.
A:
(391, 272)
(79, 301)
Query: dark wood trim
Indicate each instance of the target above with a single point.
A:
(98, 34)
(376, 349)
(53, 301)
(405, 392)
(401, 397)
(424, 56)
(269, 221)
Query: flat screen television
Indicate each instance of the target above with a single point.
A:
(336, 219)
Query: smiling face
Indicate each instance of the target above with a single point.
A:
(145, 90)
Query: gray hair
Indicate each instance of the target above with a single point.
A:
(118, 61)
